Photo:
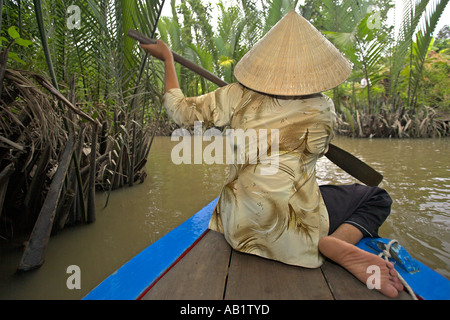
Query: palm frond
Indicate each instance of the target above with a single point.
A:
(410, 19)
(423, 41)
(44, 41)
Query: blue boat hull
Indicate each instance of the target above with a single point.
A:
(134, 279)
(425, 282)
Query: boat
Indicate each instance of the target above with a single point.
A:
(194, 263)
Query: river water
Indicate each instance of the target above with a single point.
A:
(416, 174)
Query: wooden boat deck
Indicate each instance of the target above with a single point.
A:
(211, 270)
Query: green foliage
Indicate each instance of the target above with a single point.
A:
(83, 48)
(434, 89)
(15, 36)
(408, 70)
(358, 28)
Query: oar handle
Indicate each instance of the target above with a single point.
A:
(181, 60)
(140, 37)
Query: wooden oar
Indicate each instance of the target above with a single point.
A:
(181, 60)
(344, 160)
(353, 166)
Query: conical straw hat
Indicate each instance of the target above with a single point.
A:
(292, 59)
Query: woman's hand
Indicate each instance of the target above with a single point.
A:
(160, 50)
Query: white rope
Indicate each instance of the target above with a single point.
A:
(386, 254)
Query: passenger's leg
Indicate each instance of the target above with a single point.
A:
(357, 211)
(340, 247)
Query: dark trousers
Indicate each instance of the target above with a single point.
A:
(364, 207)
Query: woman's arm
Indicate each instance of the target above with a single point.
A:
(215, 107)
(162, 52)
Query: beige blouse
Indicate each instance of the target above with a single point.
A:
(280, 216)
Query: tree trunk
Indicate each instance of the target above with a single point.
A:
(34, 253)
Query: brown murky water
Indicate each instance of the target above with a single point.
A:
(417, 175)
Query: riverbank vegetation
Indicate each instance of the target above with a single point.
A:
(407, 93)
(75, 115)
(81, 102)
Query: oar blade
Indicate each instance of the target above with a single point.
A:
(353, 166)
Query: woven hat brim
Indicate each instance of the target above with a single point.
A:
(293, 59)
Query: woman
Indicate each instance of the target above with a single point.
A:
(285, 216)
